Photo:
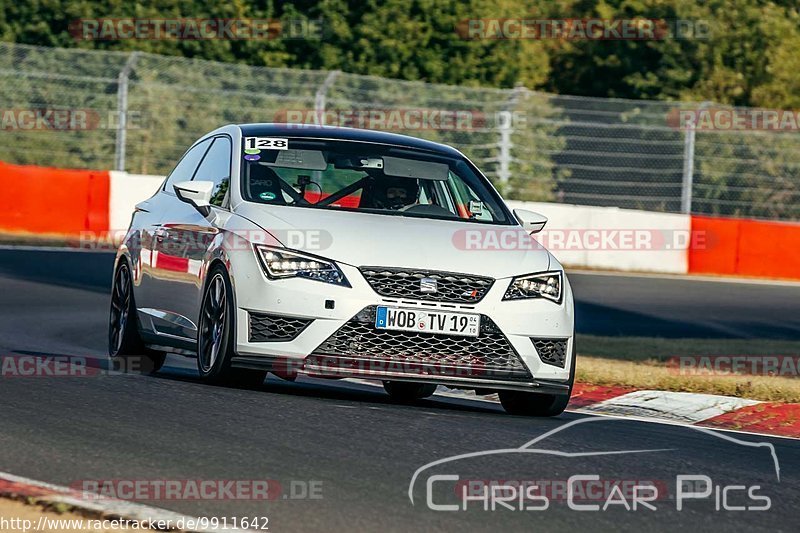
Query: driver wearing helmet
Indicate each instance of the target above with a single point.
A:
(394, 193)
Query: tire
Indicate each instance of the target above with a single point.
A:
(125, 347)
(216, 335)
(537, 404)
(406, 391)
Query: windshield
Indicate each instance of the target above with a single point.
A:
(357, 176)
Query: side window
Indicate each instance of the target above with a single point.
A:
(185, 168)
(216, 167)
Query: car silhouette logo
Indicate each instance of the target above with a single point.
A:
(428, 285)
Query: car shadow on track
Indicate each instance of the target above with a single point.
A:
(325, 389)
(333, 390)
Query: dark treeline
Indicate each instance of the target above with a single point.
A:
(747, 56)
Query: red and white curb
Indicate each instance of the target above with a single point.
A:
(17, 487)
(688, 408)
(707, 410)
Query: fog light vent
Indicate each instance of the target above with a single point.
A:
(551, 351)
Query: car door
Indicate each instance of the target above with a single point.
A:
(151, 284)
(182, 239)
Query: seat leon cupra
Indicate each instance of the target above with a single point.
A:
(344, 253)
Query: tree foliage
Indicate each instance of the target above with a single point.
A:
(749, 59)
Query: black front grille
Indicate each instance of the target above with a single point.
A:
(489, 355)
(275, 328)
(405, 283)
(551, 351)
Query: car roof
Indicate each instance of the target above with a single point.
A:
(345, 134)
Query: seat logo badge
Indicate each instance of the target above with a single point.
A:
(428, 286)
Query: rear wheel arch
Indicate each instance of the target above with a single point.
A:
(125, 344)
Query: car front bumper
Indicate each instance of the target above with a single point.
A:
(326, 308)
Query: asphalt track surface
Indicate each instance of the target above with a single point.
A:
(360, 448)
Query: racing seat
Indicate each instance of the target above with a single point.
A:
(264, 186)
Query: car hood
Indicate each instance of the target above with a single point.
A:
(368, 239)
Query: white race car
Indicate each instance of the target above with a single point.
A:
(335, 253)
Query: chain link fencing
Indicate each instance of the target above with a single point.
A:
(139, 112)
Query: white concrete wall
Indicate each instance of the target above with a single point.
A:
(579, 236)
(127, 190)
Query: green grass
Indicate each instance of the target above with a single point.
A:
(640, 362)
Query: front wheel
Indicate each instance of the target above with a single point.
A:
(125, 347)
(215, 339)
(405, 391)
(537, 404)
(532, 403)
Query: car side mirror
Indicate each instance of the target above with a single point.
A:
(530, 220)
(197, 193)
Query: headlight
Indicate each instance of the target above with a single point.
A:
(544, 285)
(281, 263)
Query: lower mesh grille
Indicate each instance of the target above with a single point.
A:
(551, 351)
(488, 356)
(275, 328)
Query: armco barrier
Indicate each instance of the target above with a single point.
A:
(744, 247)
(50, 200)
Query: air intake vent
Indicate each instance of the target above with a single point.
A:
(276, 328)
(551, 351)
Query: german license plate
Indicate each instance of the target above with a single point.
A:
(427, 321)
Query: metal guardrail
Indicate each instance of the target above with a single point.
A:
(140, 111)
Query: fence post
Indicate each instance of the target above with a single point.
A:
(688, 169)
(505, 124)
(122, 111)
(319, 98)
(688, 162)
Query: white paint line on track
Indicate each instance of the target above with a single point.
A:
(686, 407)
(107, 506)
